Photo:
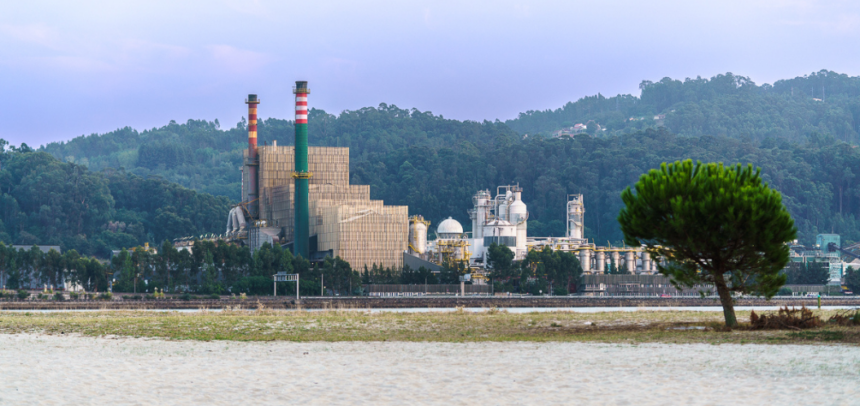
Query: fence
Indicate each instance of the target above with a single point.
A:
(417, 290)
(637, 286)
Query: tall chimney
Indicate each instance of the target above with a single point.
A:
(301, 231)
(252, 164)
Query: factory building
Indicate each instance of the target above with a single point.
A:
(503, 219)
(300, 197)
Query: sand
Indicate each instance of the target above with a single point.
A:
(56, 370)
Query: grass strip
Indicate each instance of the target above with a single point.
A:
(458, 326)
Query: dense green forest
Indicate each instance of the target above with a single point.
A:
(434, 165)
(47, 201)
(725, 105)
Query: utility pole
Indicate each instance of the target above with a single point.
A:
(322, 284)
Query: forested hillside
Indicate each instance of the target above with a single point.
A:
(726, 105)
(434, 165)
(46, 201)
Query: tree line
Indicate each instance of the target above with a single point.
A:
(726, 105)
(208, 268)
(44, 201)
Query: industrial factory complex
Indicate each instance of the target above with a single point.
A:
(300, 197)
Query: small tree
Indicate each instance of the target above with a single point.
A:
(852, 279)
(713, 224)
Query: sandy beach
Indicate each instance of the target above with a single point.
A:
(51, 370)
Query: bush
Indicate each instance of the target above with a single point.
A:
(23, 294)
(106, 296)
(846, 319)
(59, 296)
(74, 295)
(185, 296)
(131, 297)
(151, 297)
(786, 318)
(215, 296)
(784, 291)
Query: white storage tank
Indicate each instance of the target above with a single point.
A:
(502, 233)
(449, 229)
(518, 216)
(418, 234)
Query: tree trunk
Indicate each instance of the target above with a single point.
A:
(726, 300)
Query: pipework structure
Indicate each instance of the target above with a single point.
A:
(301, 175)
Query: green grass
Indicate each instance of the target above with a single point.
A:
(459, 326)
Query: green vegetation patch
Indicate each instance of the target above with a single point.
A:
(457, 326)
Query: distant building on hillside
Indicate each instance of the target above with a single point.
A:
(43, 248)
(569, 131)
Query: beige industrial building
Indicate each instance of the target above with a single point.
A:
(344, 221)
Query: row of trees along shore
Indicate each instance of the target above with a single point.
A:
(222, 268)
(209, 268)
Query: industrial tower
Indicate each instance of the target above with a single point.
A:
(252, 164)
(301, 174)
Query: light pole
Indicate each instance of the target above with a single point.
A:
(322, 284)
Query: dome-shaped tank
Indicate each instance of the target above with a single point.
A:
(449, 228)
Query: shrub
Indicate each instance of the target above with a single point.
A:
(243, 296)
(41, 296)
(793, 319)
(185, 296)
(846, 319)
(74, 295)
(784, 291)
(59, 296)
(132, 297)
(23, 294)
(215, 296)
(105, 296)
(151, 297)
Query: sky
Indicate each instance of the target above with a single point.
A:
(76, 68)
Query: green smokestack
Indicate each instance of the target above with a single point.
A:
(301, 231)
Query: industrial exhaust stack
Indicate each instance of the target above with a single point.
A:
(252, 165)
(301, 175)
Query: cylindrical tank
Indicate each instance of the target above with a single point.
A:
(418, 234)
(601, 261)
(482, 207)
(518, 215)
(615, 260)
(585, 259)
(646, 262)
(575, 216)
(630, 256)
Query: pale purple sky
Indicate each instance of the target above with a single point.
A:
(69, 68)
